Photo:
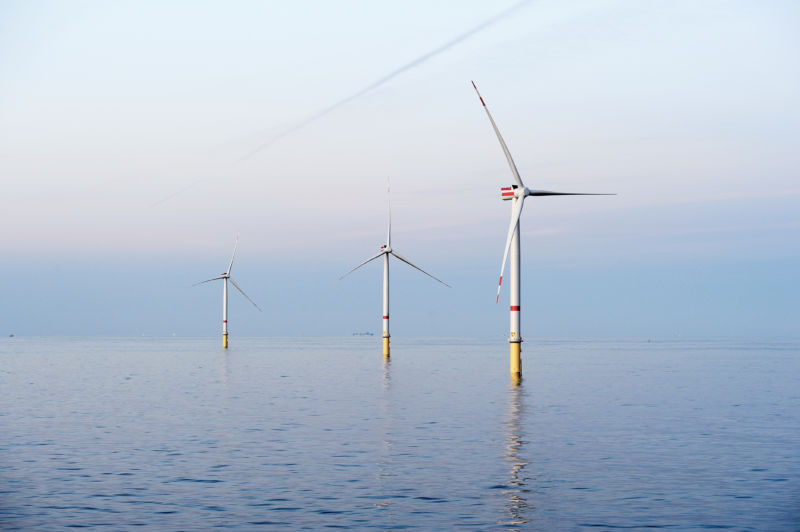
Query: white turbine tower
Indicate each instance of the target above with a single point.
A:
(385, 251)
(517, 194)
(226, 276)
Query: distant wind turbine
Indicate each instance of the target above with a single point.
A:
(226, 276)
(517, 194)
(385, 251)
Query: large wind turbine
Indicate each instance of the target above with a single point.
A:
(385, 251)
(226, 276)
(517, 194)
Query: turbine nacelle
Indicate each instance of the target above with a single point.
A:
(386, 249)
(515, 191)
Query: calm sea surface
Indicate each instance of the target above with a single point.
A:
(313, 433)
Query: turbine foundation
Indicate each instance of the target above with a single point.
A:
(515, 361)
(225, 340)
(385, 347)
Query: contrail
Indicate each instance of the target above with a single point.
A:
(374, 85)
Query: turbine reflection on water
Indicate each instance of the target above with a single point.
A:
(517, 490)
(387, 376)
(385, 471)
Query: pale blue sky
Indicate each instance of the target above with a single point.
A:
(688, 110)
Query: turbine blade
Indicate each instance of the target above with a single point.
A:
(245, 295)
(236, 245)
(516, 210)
(549, 193)
(363, 263)
(389, 200)
(420, 269)
(207, 281)
(500, 138)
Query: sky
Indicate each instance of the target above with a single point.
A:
(137, 139)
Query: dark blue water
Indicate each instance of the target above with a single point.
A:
(294, 433)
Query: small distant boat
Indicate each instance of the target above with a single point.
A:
(365, 333)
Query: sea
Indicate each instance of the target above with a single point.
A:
(323, 433)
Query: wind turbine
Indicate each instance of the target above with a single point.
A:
(385, 251)
(226, 276)
(516, 194)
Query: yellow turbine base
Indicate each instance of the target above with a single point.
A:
(225, 341)
(515, 362)
(385, 347)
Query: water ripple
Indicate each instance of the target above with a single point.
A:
(320, 433)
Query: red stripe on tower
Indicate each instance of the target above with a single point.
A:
(514, 308)
(386, 317)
